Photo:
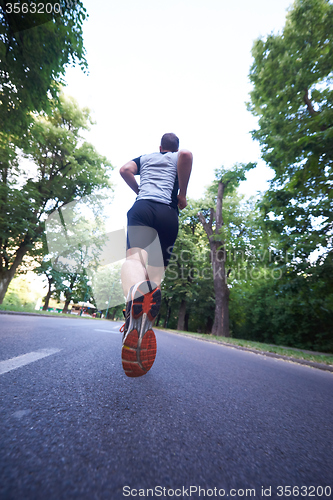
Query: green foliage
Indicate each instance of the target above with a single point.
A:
(21, 294)
(293, 98)
(274, 297)
(189, 275)
(107, 290)
(12, 300)
(77, 288)
(295, 310)
(34, 52)
(62, 168)
(231, 178)
(65, 169)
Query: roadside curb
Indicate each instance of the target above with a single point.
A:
(23, 313)
(312, 364)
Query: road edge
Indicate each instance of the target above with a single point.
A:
(59, 315)
(312, 364)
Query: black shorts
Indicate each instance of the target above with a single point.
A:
(155, 219)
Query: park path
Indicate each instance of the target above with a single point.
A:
(206, 416)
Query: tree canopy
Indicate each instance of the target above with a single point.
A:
(35, 48)
(293, 98)
(63, 167)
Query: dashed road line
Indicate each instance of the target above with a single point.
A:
(25, 359)
(109, 331)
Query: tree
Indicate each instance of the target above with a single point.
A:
(226, 182)
(290, 309)
(186, 285)
(107, 289)
(54, 281)
(65, 278)
(21, 293)
(35, 49)
(65, 168)
(293, 97)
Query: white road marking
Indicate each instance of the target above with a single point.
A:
(109, 331)
(21, 413)
(25, 359)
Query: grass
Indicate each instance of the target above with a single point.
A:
(12, 307)
(259, 346)
(31, 309)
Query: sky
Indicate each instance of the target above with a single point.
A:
(178, 66)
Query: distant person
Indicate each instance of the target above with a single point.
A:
(151, 234)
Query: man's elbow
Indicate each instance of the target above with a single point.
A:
(125, 170)
(128, 169)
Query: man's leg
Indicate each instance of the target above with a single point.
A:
(156, 274)
(134, 268)
(141, 283)
(143, 303)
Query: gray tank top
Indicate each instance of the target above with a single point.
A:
(158, 177)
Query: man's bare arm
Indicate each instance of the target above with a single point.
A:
(128, 172)
(184, 167)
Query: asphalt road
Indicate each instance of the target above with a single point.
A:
(233, 423)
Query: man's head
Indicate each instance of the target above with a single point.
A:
(169, 142)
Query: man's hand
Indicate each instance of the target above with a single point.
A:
(181, 201)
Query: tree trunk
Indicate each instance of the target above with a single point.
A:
(218, 254)
(187, 317)
(48, 295)
(5, 280)
(68, 294)
(47, 300)
(65, 309)
(181, 316)
(6, 275)
(221, 319)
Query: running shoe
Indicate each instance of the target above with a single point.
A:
(127, 314)
(139, 342)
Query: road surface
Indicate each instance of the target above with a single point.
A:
(206, 421)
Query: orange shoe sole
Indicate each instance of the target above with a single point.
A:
(139, 345)
(138, 361)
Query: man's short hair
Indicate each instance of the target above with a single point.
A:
(170, 142)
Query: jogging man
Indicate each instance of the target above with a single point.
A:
(151, 233)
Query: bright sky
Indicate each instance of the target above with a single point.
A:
(178, 66)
